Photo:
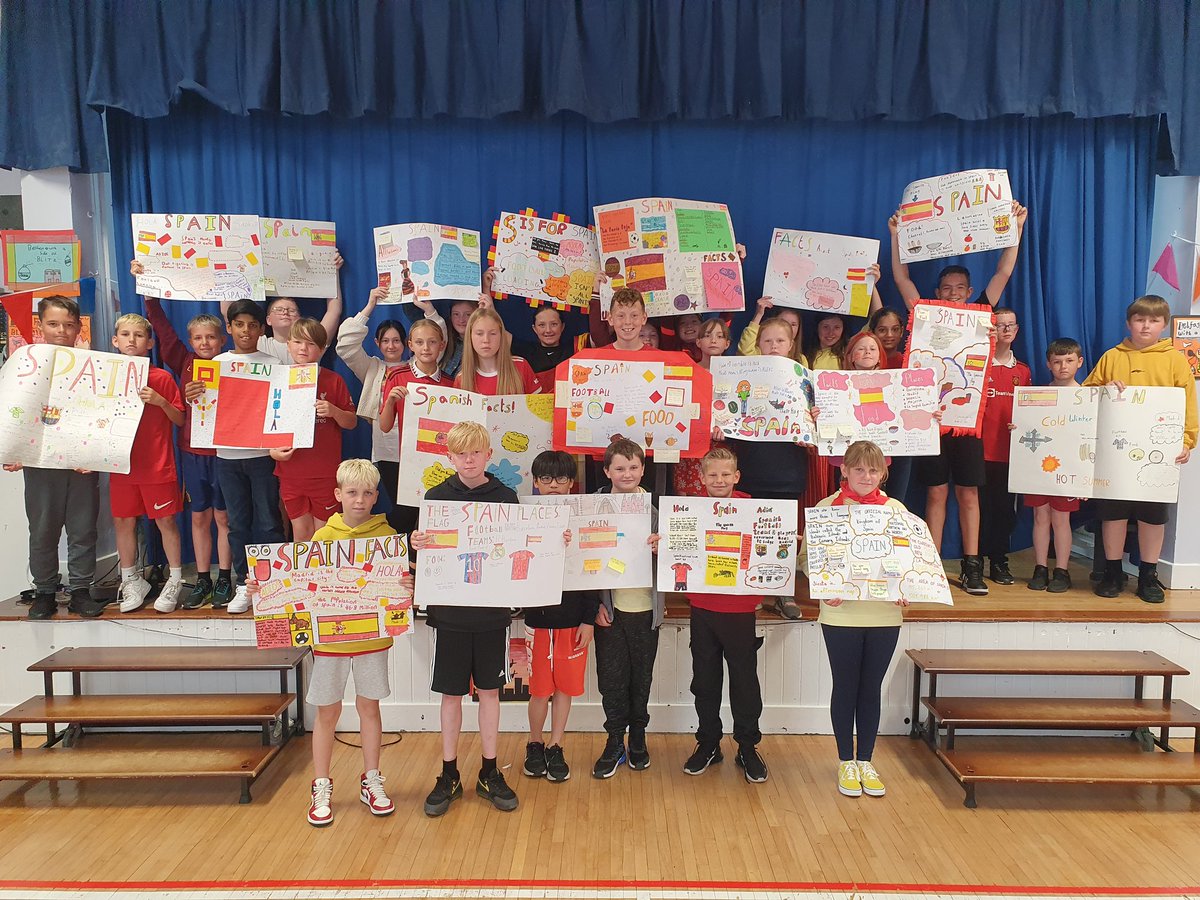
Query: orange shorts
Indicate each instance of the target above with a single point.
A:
(555, 664)
(155, 501)
(309, 496)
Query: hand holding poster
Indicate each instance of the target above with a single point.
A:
(254, 405)
(70, 409)
(609, 548)
(198, 257)
(892, 408)
(825, 272)
(872, 553)
(762, 398)
(1095, 442)
(438, 262)
(956, 342)
(727, 545)
(544, 260)
(330, 592)
(491, 554)
(964, 212)
(298, 258)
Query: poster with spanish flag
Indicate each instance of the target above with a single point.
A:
(611, 546)
(198, 256)
(955, 214)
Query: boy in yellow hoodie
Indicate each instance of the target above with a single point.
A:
(357, 490)
(1145, 358)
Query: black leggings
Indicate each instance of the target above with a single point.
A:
(859, 659)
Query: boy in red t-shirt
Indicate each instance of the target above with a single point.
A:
(151, 488)
(308, 476)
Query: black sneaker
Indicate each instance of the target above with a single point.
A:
(82, 604)
(751, 763)
(611, 758)
(639, 755)
(971, 579)
(535, 759)
(998, 571)
(557, 769)
(493, 788)
(157, 576)
(1040, 580)
(444, 791)
(1059, 582)
(44, 606)
(1149, 588)
(200, 594)
(1110, 585)
(702, 757)
(222, 593)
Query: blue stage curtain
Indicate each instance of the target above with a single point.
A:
(62, 62)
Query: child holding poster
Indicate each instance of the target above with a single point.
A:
(488, 366)
(1144, 358)
(550, 348)
(713, 340)
(831, 343)
(860, 637)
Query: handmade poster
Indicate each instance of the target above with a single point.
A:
(66, 408)
(956, 342)
(1096, 442)
(872, 553)
(491, 554)
(521, 426)
(762, 398)
(825, 272)
(1185, 333)
(298, 258)
(326, 593)
(198, 257)
(417, 260)
(38, 258)
(254, 405)
(963, 212)
(544, 260)
(609, 534)
(893, 408)
(660, 400)
(727, 546)
(681, 255)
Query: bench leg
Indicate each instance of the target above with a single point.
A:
(914, 731)
(16, 736)
(245, 798)
(969, 799)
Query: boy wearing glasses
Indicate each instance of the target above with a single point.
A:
(997, 507)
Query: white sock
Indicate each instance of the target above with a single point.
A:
(128, 574)
(176, 573)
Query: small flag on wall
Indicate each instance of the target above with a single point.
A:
(1165, 267)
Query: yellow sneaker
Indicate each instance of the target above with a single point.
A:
(872, 784)
(848, 782)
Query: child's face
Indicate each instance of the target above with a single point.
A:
(549, 485)
(471, 465)
(391, 345)
(59, 327)
(792, 318)
(889, 331)
(625, 474)
(282, 314)
(548, 326)
(206, 341)
(426, 345)
(1064, 366)
(627, 321)
(713, 342)
(720, 476)
(246, 330)
(829, 332)
(1145, 330)
(486, 335)
(861, 478)
(955, 288)
(304, 351)
(133, 340)
(649, 335)
(1006, 330)
(688, 328)
(459, 314)
(865, 355)
(357, 501)
(775, 342)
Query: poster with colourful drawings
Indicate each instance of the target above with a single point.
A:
(253, 405)
(544, 260)
(660, 400)
(762, 398)
(298, 258)
(326, 593)
(894, 408)
(1185, 334)
(39, 258)
(66, 408)
(824, 272)
(956, 342)
(1097, 442)
(498, 555)
(609, 548)
(727, 546)
(963, 212)
(438, 262)
(198, 257)
(872, 553)
(681, 255)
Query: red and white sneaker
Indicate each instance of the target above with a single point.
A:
(320, 811)
(373, 794)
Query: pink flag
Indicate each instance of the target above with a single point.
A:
(1165, 267)
(1196, 279)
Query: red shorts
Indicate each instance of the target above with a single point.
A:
(155, 501)
(1058, 504)
(555, 664)
(309, 496)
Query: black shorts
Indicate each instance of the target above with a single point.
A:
(1123, 510)
(461, 658)
(961, 459)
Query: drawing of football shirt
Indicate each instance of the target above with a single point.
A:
(520, 564)
(473, 567)
(681, 570)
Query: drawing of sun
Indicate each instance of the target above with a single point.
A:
(1051, 464)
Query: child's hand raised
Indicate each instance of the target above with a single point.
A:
(424, 304)
(894, 228)
(136, 268)
(1020, 213)
(489, 278)
(251, 589)
(193, 391)
(407, 582)
(338, 262)
(419, 540)
(567, 538)
(741, 250)
(485, 300)
(377, 295)
(874, 272)
(281, 454)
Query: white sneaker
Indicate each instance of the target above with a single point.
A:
(371, 792)
(133, 593)
(240, 602)
(168, 597)
(320, 810)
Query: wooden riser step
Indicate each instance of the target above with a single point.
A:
(1043, 662)
(169, 659)
(136, 762)
(1060, 713)
(1056, 767)
(152, 709)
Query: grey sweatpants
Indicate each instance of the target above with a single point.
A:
(57, 499)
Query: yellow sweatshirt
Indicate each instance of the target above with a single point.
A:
(337, 530)
(1159, 365)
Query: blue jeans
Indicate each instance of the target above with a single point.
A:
(251, 494)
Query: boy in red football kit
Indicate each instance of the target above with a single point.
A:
(151, 488)
(308, 476)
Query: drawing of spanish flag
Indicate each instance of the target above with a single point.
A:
(723, 542)
(449, 233)
(683, 373)
(1038, 398)
(443, 539)
(323, 237)
(598, 537)
(870, 397)
(347, 627)
(919, 209)
(856, 274)
(646, 272)
(431, 435)
(975, 363)
(900, 542)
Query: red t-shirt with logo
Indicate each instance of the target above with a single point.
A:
(486, 384)
(320, 461)
(152, 460)
(1003, 382)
